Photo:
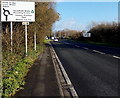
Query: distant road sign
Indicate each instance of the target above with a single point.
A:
(86, 34)
(17, 11)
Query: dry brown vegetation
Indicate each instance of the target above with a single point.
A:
(15, 65)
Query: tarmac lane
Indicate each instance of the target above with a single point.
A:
(91, 73)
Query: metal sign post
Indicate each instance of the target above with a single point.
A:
(26, 24)
(11, 36)
(35, 40)
(26, 40)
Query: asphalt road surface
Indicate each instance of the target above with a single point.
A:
(92, 69)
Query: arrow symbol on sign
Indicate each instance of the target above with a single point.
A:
(6, 13)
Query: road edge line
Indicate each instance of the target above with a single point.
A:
(116, 57)
(57, 76)
(69, 84)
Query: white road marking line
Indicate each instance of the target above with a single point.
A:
(72, 89)
(85, 48)
(98, 52)
(67, 43)
(116, 57)
(77, 46)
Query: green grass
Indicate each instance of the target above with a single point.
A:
(46, 41)
(15, 68)
(104, 44)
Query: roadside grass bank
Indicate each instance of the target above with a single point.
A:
(46, 41)
(14, 69)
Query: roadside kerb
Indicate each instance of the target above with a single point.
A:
(64, 83)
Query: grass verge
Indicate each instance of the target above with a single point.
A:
(14, 70)
(46, 41)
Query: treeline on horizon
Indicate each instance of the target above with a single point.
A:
(107, 33)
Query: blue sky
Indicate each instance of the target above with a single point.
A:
(80, 15)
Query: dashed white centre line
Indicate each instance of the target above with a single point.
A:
(77, 46)
(67, 43)
(98, 52)
(85, 48)
(116, 57)
(95, 51)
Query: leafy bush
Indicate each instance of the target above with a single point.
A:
(106, 33)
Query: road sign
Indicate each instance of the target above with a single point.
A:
(25, 23)
(86, 34)
(17, 11)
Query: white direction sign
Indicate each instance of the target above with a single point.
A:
(86, 34)
(17, 11)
